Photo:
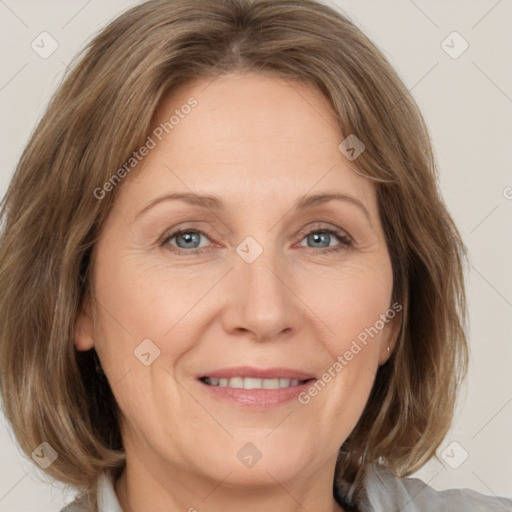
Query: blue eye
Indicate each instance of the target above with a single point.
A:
(324, 236)
(186, 238)
(187, 241)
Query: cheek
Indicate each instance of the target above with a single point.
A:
(358, 300)
(139, 301)
(141, 297)
(355, 298)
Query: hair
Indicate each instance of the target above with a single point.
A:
(102, 112)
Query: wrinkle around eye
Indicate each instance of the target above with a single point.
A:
(153, 227)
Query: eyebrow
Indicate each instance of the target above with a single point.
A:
(309, 201)
(215, 204)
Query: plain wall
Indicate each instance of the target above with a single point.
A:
(467, 104)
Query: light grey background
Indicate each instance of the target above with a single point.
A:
(467, 104)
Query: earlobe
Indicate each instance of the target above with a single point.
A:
(84, 330)
(389, 340)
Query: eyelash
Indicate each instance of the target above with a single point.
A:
(344, 240)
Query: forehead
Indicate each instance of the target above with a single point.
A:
(248, 137)
(239, 117)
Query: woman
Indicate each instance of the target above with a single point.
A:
(240, 286)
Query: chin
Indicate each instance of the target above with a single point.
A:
(256, 460)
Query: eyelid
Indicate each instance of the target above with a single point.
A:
(344, 238)
(172, 233)
(322, 226)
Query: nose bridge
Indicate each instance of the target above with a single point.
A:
(261, 275)
(263, 302)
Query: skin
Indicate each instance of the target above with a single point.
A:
(258, 143)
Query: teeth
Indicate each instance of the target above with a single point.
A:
(270, 383)
(252, 383)
(235, 382)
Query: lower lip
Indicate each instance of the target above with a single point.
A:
(262, 398)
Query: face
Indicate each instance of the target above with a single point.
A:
(233, 323)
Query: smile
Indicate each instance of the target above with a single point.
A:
(255, 387)
(252, 383)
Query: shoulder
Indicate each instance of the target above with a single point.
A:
(79, 505)
(426, 498)
(387, 492)
(383, 492)
(105, 498)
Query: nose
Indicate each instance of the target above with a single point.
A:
(262, 302)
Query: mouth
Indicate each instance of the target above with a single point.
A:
(252, 383)
(254, 387)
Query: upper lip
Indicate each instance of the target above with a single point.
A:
(258, 373)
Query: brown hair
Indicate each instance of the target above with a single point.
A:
(102, 112)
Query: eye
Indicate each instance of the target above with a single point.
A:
(188, 240)
(321, 237)
(185, 239)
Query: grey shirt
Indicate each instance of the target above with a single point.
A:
(383, 493)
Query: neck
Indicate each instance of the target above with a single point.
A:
(149, 486)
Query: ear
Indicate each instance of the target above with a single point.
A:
(84, 329)
(390, 335)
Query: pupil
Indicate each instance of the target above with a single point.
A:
(191, 238)
(322, 236)
(188, 237)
